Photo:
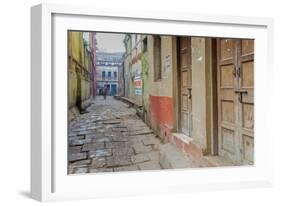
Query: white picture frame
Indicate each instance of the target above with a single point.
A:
(49, 179)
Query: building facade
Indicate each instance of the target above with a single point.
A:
(107, 72)
(121, 80)
(81, 71)
(93, 49)
(134, 63)
(196, 93)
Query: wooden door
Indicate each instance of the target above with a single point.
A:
(185, 86)
(235, 99)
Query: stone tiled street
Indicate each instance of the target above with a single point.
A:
(110, 137)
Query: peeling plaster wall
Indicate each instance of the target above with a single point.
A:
(161, 87)
(161, 106)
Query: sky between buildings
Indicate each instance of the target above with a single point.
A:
(110, 42)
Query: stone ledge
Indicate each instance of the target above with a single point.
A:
(194, 151)
(217, 161)
(182, 137)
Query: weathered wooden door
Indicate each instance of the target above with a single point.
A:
(186, 86)
(235, 99)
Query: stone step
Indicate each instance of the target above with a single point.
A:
(217, 161)
(172, 157)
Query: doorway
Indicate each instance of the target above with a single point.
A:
(235, 88)
(185, 85)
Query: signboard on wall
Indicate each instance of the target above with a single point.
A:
(138, 86)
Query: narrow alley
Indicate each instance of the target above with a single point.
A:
(110, 137)
(149, 101)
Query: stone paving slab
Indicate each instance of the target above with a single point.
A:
(80, 170)
(150, 141)
(77, 156)
(98, 162)
(100, 153)
(126, 168)
(140, 148)
(93, 146)
(81, 163)
(75, 149)
(112, 122)
(93, 170)
(151, 165)
(77, 142)
(123, 151)
(116, 161)
(101, 140)
(116, 145)
(154, 155)
(140, 158)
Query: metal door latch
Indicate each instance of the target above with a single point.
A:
(240, 92)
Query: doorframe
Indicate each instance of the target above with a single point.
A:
(213, 139)
(211, 72)
(178, 86)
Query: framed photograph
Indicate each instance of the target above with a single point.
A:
(138, 102)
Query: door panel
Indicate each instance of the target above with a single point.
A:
(236, 99)
(247, 47)
(248, 148)
(227, 82)
(227, 111)
(248, 116)
(246, 63)
(227, 49)
(185, 85)
(228, 140)
(247, 76)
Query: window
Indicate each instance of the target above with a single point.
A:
(157, 57)
(103, 75)
(115, 75)
(144, 43)
(109, 75)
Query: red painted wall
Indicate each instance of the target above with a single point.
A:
(161, 111)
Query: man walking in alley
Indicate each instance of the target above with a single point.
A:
(105, 89)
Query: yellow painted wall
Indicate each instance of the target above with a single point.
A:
(78, 69)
